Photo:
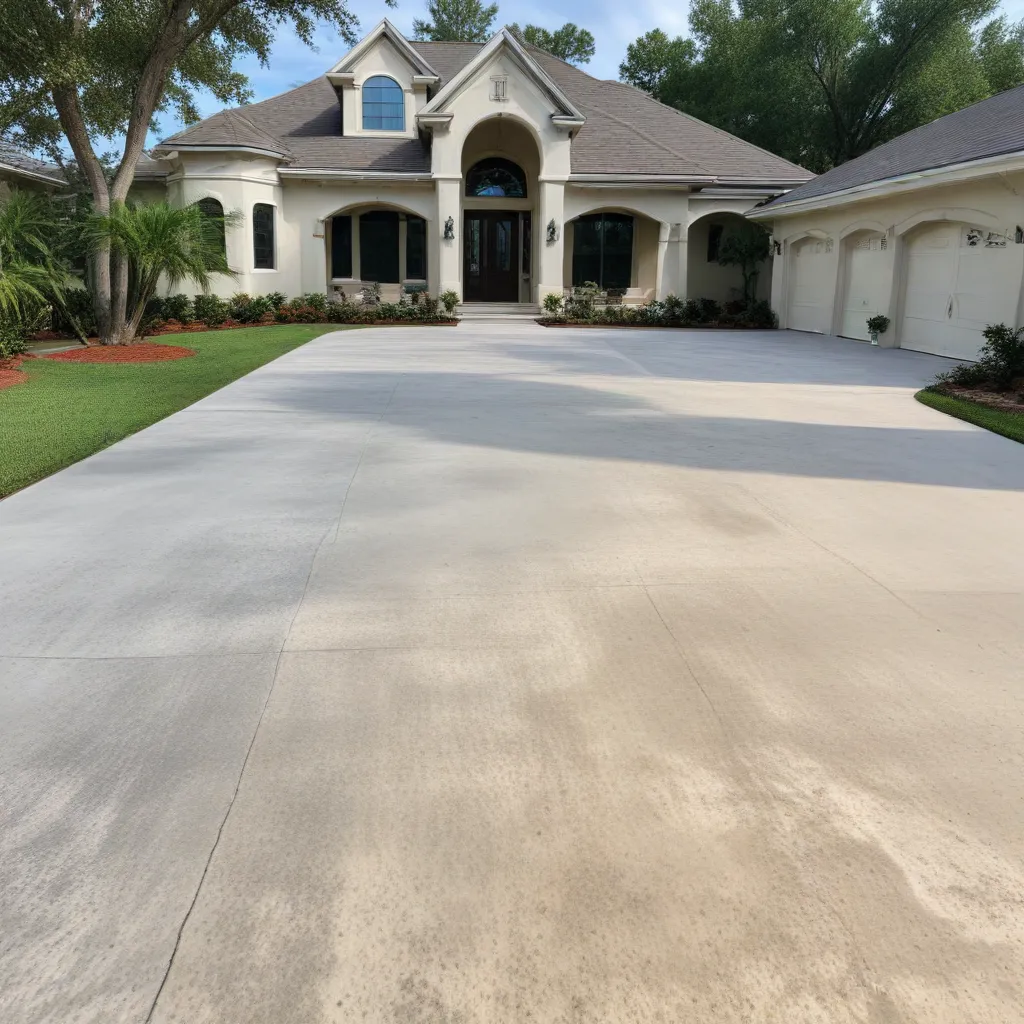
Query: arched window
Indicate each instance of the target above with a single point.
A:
(496, 176)
(213, 213)
(263, 236)
(383, 105)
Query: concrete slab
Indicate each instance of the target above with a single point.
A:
(521, 674)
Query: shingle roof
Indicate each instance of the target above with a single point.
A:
(14, 159)
(626, 132)
(990, 128)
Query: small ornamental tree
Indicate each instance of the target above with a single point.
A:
(73, 72)
(746, 246)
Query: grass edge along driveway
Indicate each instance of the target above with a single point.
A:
(999, 421)
(66, 411)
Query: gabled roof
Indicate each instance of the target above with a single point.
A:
(384, 29)
(503, 40)
(626, 132)
(991, 128)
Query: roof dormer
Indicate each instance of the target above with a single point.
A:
(382, 82)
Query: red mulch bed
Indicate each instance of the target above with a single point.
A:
(1007, 401)
(141, 353)
(9, 372)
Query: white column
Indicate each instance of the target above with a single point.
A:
(552, 208)
(672, 254)
(449, 254)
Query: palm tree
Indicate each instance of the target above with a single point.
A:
(31, 275)
(160, 243)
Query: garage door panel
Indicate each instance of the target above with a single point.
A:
(865, 288)
(810, 295)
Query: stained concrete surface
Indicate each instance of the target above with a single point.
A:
(507, 674)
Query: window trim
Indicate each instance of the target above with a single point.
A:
(273, 237)
(363, 101)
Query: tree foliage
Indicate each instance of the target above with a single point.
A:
(76, 71)
(748, 247)
(823, 81)
(456, 20)
(569, 43)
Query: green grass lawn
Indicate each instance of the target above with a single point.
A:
(999, 421)
(66, 411)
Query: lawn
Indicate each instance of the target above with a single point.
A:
(66, 411)
(999, 421)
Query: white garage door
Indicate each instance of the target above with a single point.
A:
(810, 286)
(865, 283)
(958, 279)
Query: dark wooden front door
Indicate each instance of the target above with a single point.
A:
(491, 256)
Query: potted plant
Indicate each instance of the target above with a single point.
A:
(877, 325)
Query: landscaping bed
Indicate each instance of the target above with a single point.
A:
(138, 353)
(64, 409)
(650, 327)
(990, 392)
(581, 309)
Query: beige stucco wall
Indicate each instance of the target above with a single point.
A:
(992, 203)
(381, 58)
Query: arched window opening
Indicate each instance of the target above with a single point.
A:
(602, 250)
(263, 236)
(213, 213)
(383, 105)
(496, 176)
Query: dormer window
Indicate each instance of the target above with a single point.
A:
(383, 105)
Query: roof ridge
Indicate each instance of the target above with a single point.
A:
(706, 124)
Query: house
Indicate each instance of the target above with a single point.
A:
(926, 230)
(19, 170)
(492, 169)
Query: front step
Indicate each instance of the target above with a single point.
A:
(491, 311)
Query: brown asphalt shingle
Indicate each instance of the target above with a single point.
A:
(990, 128)
(626, 131)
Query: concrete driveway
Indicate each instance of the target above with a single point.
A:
(510, 674)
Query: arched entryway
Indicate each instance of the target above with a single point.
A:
(500, 168)
(375, 244)
(706, 278)
(615, 248)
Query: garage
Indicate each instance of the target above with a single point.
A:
(865, 282)
(958, 278)
(810, 292)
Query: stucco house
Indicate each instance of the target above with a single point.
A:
(492, 169)
(927, 230)
(19, 170)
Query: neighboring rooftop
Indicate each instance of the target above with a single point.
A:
(15, 163)
(626, 131)
(992, 127)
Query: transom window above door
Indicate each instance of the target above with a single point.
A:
(496, 176)
(383, 105)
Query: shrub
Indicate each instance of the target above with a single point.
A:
(709, 310)
(734, 307)
(315, 300)
(278, 299)
(878, 324)
(248, 309)
(449, 299)
(75, 309)
(178, 307)
(674, 312)
(371, 294)
(760, 314)
(155, 310)
(691, 311)
(580, 304)
(211, 309)
(1002, 355)
(12, 337)
(553, 303)
(300, 312)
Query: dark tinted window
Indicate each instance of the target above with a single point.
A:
(378, 246)
(415, 248)
(214, 213)
(496, 176)
(263, 236)
(383, 104)
(341, 246)
(602, 250)
(714, 241)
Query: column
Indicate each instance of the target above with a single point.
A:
(551, 250)
(449, 251)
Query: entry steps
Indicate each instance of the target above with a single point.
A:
(497, 312)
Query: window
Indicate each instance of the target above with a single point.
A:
(383, 105)
(714, 242)
(415, 248)
(496, 176)
(341, 246)
(378, 246)
(499, 88)
(213, 213)
(263, 236)
(602, 250)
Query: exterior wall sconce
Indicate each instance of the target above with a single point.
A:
(552, 231)
(449, 230)
(1018, 235)
(318, 229)
(778, 248)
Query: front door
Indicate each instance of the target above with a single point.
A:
(491, 258)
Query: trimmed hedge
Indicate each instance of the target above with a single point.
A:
(580, 308)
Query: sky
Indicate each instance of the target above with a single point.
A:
(614, 25)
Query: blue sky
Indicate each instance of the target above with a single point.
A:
(613, 24)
